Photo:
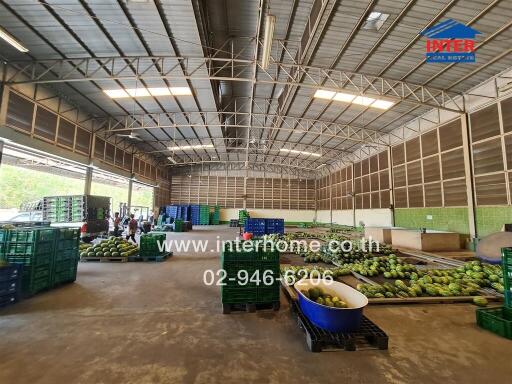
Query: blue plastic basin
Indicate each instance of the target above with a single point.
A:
(330, 318)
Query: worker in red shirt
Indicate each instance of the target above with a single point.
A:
(132, 228)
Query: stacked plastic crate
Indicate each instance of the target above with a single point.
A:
(195, 212)
(204, 215)
(10, 284)
(251, 277)
(76, 208)
(215, 215)
(255, 226)
(242, 216)
(34, 249)
(151, 244)
(274, 226)
(65, 261)
(499, 319)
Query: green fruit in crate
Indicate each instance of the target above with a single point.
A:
(480, 301)
(99, 254)
(115, 254)
(107, 254)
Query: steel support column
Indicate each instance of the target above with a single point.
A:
(470, 187)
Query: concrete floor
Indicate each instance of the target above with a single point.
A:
(158, 323)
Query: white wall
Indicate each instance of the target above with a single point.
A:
(370, 217)
(288, 215)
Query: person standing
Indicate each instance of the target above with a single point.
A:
(117, 222)
(132, 228)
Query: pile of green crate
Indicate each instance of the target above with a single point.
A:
(67, 254)
(152, 244)
(242, 216)
(75, 208)
(34, 248)
(499, 319)
(178, 225)
(251, 277)
(215, 216)
(204, 214)
(49, 256)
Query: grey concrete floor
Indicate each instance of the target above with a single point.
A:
(158, 323)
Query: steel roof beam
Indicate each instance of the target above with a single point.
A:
(179, 68)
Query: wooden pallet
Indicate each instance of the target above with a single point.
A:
(156, 258)
(111, 259)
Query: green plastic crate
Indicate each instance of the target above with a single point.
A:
(31, 260)
(34, 234)
(268, 294)
(495, 320)
(231, 295)
(67, 254)
(506, 265)
(27, 249)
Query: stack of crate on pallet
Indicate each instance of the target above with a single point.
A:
(10, 284)
(75, 208)
(242, 216)
(152, 244)
(215, 215)
(65, 262)
(499, 319)
(47, 256)
(252, 277)
(204, 215)
(33, 248)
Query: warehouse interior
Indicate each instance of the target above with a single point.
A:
(222, 120)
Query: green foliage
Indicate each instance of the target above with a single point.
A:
(19, 185)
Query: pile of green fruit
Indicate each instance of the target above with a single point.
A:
(113, 247)
(318, 295)
(301, 272)
(85, 246)
(466, 280)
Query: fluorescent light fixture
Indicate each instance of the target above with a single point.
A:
(300, 152)
(138, 92)
(361, 100)
(375, 21)
(344, 97)
(12, 40)
(181, 91)
(171, 159)
(354, 99)
(323, 94)
(382, 104)
(145, 92)
(321, 165)
(185, 147)
(270, 23)
(116, 93)
(159, 91)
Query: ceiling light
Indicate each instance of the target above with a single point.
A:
(361, 100)
(144, 92)
(270, 22)
(345, 97)
(321, 165)
(375, 21)
(12, 40)
(171, 159)
(181, 91)
(159, 91)
(300, 152)
(382, 104)
(138, 92)
(185, 147)
(116, 93)
(323, 94)
(354, 99)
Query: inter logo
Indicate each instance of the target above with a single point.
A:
(450, 42)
